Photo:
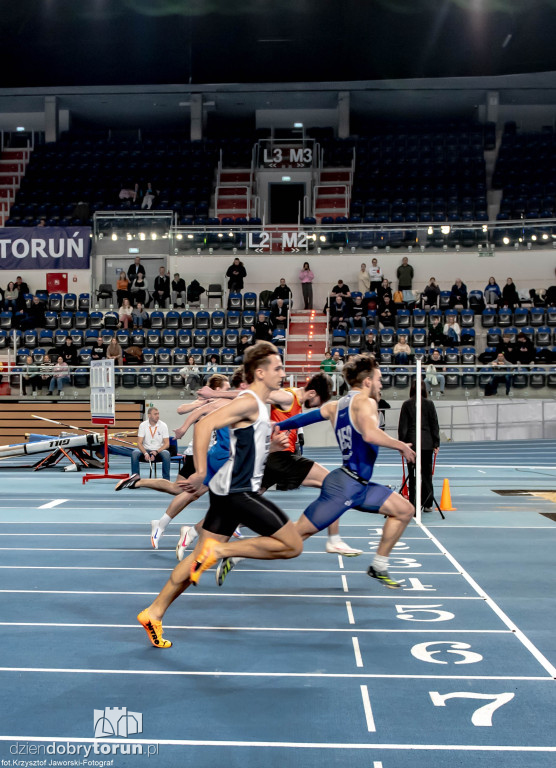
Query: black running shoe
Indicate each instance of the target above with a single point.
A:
(383, 577)
(129, 482)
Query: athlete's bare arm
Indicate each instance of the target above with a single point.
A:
(281, 398)
(206, 393)
(188, 407)
(364, 412)
(198, 413)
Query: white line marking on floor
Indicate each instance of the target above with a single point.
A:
(231, 595)
(257, 629)
(288, 744)
(482, 471)
(349, 609)
(371, 727)
(340, 561)
(49, 505)
(357, 652)
(543, 661)
(377, 764)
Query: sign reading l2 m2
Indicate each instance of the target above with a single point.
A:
(45, 247)
(286, 241)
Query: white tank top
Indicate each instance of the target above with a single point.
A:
(244, 469)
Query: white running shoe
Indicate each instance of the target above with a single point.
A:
(237, 534)
(156, 534)
(341, 548)
(188, 534)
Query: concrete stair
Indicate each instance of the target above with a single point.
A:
(306, 341)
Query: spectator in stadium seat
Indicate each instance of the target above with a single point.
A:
(387, 312)
(262, 329)
(434, 371)
(139, 316)
(376, 275)
(431, 294)
(339, 288)
(125, 314)
(328, 365)
(68, 352)
(135, 269)
(370, 344)
(10, 297)
(191, 374)
(363, 279)
(241, 347)
(148, 197)
(403, 354)
(114, 352)
(82, 212)
(22, 287)
(178, 290)
(194, 291)
(339, 313)
(139, 289)
(97, 350)
(236, 273)
(282, 291)
(510, 297)
(458, 294)
(452, 331)
(306, 277)
(384, 289)
(122, 288)
(34, 317)
(279, 314)
(60, 376)
(46, 370)
(210, 367)
(436, 332)
(525, 351)
(492, 292)
(128, 194)
(550, 296)
(405, 274)
(31, 376)
(358, 315)
(501, 375)
(161, 287)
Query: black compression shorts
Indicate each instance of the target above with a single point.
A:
(187, 466)
(285, 470)
(225, 513)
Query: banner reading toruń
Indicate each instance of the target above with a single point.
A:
(45, 247)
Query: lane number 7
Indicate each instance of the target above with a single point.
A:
(481, 716)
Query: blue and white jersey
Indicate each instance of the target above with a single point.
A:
(358, 456)
(244, 469)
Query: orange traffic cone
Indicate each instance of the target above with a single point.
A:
(446, 499)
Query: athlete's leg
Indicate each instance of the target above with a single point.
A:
(178, 503)
(399, 511)
(154, 484)
(179, 581)
(335, 543)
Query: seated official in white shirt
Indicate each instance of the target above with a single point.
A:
(153, 441)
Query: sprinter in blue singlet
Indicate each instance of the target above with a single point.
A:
(356, 425)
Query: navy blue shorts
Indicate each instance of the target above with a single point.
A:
(341, 492)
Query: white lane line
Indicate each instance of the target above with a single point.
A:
(231, 595)
(377, 764)
(340, 561)
(482, 471)
(351, 618)
(371, 727)
(543, 661)
(357, 652)
(258, 629)
(288, 744)
(49, 505)
(167, 570)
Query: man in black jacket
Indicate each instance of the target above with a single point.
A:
(161, 287)
(430, 441)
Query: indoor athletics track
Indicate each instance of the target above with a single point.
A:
(305, 662)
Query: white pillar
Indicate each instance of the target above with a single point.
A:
(51, 130)
(196, 116)
(343, 114)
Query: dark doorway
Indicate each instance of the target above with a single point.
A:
(284, 202)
